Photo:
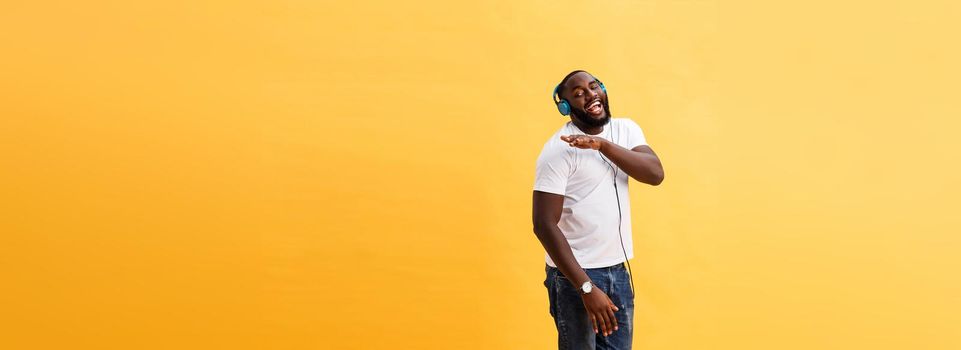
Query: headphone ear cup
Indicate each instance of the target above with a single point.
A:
(564, 107)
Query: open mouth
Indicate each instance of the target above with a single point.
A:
(594, 108)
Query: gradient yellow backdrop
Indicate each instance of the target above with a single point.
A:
(357, 175)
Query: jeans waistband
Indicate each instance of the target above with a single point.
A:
(612, 267)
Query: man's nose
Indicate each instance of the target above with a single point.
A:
(591, 94)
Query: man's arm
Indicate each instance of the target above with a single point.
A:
(547, 213)
(640, 163)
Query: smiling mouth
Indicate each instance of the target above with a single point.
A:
(595, 108)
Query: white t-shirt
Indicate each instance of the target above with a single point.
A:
(589, 219)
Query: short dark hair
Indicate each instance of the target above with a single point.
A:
(560, 86)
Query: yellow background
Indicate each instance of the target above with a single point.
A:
(357, 175)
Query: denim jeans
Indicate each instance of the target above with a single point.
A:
(574, 328)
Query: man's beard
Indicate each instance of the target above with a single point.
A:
(581, 116)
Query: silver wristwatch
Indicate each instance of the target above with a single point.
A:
(587, 287)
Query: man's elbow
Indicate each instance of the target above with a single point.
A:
(542, 227)
(539, 228)
(658, 177)
(653, 178)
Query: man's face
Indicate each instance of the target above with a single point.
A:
(588, 102)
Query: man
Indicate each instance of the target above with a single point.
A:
(582, 215)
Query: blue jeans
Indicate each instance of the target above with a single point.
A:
(574, 328)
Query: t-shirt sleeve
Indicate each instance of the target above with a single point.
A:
(635, 136)
(553, 169)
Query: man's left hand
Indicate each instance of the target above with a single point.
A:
(583, 141)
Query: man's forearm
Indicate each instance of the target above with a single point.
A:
(560, 252)
(643, 167)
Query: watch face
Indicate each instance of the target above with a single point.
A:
(586, 287)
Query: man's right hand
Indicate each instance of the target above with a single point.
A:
(600, 309)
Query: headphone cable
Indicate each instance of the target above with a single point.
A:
(620, 219)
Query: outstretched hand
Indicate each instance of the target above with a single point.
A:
(582, 141)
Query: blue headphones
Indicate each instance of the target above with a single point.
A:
(565, 107)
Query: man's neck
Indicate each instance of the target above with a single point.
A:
(590, 130)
